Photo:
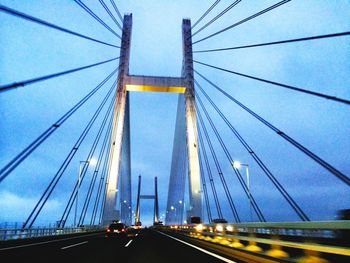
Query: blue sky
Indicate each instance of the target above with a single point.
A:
(29, 50)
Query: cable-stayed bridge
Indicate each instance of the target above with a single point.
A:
(212, 212)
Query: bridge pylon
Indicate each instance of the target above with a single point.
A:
(185, 159)
(119, 166)
(138, 203)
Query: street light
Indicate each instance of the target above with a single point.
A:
(238, 165)
(92, 162)
(181, 206)
(174, 208)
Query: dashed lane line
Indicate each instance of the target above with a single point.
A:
(128, 243)
(74, 245)
(46, 242)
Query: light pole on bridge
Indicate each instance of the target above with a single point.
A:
(174, 208)
(238, 165)
(92, 162)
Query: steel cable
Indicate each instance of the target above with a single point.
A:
(312, 155)
(228, 155)
(206, 13)
(110, 13)
(96, 17)
(341, 34)
(45, 23)
(50, 76)
(210, 175)
(217, 17)
(218, 167)
(50, 188)
(244, 20)
(267, 172)
(317, 94)
(7, 169)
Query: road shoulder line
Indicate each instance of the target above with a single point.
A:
(200, 249)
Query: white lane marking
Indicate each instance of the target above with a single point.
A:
(200, 249)
(128, 243)
(50, 241)
(74, 245)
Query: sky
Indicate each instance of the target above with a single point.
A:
(29, 50)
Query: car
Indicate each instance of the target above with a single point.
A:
(132, 231)
(343, 234)
(343, 214)
(195, 220)
(115, 229)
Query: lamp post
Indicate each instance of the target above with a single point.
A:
(125, 203)
(174, 208)
(92, 161)
(238, 165)
(181, 211)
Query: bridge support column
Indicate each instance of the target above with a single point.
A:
(138, 203)
(195, 209)
(156, 206)
(119, 162)
(137, 217)
(185, 159)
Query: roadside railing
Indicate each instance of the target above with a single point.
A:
(17, 233)
(277, 240)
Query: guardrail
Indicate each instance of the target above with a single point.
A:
(18, 233)
(292, 241)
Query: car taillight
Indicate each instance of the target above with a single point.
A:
(108, 230)
(123, 230)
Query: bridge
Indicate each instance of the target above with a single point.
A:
(259, 165)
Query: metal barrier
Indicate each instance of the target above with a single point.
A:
(17, 233)
(307, 240)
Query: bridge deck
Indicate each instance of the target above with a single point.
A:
(147, 246)
(143, 245)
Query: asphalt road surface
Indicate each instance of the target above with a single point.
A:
(144, 245)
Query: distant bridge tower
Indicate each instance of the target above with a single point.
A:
(185, 159)
(138, 203)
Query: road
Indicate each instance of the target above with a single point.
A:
(146, 245)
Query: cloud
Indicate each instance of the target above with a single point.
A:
(14, 208)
